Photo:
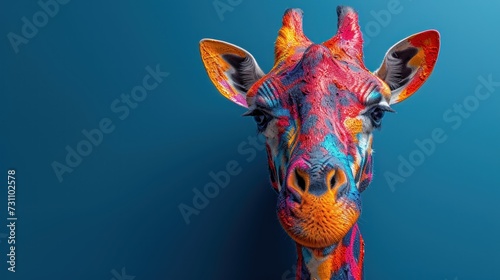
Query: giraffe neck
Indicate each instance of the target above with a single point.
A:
(343, 261)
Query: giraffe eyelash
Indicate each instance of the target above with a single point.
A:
(261, 117)
(376, 113)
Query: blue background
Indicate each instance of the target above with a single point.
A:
(119, 207)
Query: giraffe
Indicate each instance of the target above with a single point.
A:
(317, 108)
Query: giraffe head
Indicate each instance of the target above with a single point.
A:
(318, 107)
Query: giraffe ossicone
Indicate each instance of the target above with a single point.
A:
(317, 108)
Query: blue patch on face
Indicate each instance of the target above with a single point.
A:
(331, 145)
(373, 98)
(292, 76)
(309, 123)
(353, 68)
(329, 124)
(266, 95)
(305, 107)
(328, 102)
(332, 89)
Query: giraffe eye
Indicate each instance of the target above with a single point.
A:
(261, 118)
(377, 114)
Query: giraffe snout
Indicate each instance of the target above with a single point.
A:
(317, 181)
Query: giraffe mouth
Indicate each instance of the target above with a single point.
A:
(317, 222)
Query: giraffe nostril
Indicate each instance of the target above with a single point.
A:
(333, 181)
(337, 181)
(301, 182)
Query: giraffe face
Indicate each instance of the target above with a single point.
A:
(317, 112)
(317, 108)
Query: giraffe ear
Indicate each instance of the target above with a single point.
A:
(232, 69)
(408, 64)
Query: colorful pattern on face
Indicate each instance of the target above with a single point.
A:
(317, 108)
(319, 142)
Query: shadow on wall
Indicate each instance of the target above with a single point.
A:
(256, 239)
